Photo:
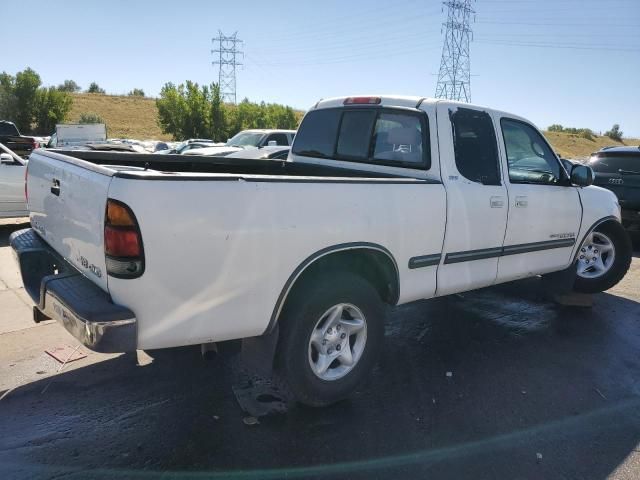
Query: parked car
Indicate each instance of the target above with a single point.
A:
(382, 201)
(618, 169)
(265, 153)
(187, 145)
(11, 138)
(12, 192)
(250, 139)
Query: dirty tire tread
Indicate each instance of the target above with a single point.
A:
(300, 315)
(622, 262)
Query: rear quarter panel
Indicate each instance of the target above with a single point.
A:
(218, 253)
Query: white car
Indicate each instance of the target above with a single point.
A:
(12, 193)
(382, 201)
(248, 139)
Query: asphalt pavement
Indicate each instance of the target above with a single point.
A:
(501, 383)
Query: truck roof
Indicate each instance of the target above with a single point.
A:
(409, 101)
(406, 101)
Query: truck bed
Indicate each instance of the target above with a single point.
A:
(218, 231)
(160, 165)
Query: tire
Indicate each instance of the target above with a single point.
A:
(314, 304)
(592, 281)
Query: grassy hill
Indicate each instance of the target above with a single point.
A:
(135, 117)
(128, 117)
(573, 146)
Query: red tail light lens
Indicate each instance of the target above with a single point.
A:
(122, 241)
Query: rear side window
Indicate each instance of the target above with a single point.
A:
(383, 136)
(317, 134)
(613, 163)
(476, 150)
(279, 138)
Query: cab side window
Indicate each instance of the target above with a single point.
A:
(476, 149)
(529, 158)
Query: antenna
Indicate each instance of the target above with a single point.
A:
(226, 58)
(454, 77)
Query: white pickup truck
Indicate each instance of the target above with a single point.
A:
(382, 200)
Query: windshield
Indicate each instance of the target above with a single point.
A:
(245, 139)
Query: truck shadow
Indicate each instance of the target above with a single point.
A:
(498, 383)
(8, 226)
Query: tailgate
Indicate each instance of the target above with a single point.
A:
(67, 199)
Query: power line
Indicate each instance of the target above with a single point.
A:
(454, 76)
(557, 45)
(227, 51)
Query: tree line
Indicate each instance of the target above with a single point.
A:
(189, 110)
(614, 134)
(37, 109)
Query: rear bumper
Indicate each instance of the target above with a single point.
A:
(62, 293)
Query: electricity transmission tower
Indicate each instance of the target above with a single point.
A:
(226, 57)
(454, 77)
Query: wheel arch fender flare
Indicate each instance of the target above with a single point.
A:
(602, 221)
(315, 258)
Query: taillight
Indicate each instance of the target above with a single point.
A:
(34, 144)
(122, 241)
(362, 101)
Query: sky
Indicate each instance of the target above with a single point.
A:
(572, 62)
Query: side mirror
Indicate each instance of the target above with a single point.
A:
(272, 143)
(6, 159)
(581, 175)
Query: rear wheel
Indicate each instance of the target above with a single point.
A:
(603, 259)
(330, 335)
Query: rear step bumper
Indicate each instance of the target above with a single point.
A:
(62, 293)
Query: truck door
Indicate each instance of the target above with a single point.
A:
(12, 199)
(544, 209)
(476, 199)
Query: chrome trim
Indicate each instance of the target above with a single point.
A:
(114, 336)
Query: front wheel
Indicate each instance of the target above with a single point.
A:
(603, 259)
(330, 336)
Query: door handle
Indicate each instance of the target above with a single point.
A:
(496, 202)
(55, 188)
(522, 202)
